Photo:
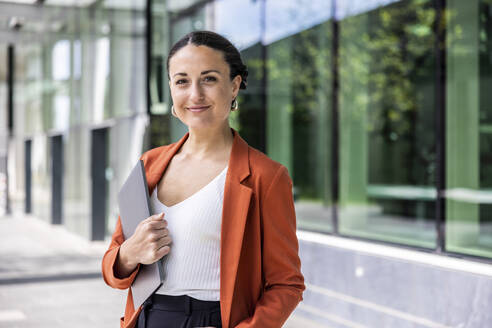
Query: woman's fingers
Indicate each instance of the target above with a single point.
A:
(163, 247)
(151, 239)
(155, 217)
(166, 240)
(163, 251)
(157, 225)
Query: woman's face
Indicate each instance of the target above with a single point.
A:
(201, 88)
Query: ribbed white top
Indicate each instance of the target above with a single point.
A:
(193, 266)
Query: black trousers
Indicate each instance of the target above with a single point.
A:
(163, 311)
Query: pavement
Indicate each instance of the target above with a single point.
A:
(50, 277)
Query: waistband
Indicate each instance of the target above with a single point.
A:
(182, 303)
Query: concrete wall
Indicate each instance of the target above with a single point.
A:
(357, 284)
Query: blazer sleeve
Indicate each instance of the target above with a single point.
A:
(284, 282)
(109, 261)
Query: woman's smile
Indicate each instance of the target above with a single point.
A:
(198, 109)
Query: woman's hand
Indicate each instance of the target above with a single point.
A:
(147, 245)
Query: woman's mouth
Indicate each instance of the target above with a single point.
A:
(197, 109)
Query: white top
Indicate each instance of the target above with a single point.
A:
(192, 267)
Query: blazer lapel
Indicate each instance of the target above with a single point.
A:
(234, 214)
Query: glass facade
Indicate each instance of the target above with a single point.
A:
(379, 109)
(387, 117)
(347, 95)
(299, 112)
(85, 74)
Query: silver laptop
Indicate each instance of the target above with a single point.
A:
(134, 203)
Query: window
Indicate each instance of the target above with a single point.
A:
(386, 121)
(469, 128)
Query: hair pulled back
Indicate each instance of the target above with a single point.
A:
(217, 42)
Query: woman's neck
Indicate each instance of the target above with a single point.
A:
(203, 144)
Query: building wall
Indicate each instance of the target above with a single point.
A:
(86, 77)
(347, 95)
(367, 285)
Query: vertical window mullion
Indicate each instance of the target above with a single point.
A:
(440, 48)
(334, 120)
(148, 49)
(264, 80)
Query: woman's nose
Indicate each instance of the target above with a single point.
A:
(196, 92)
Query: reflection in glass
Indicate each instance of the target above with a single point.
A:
(77, 198)
(246, 35)
(3, 133)
(286, 18)
(469, 128)
(347, 8)
(387, 138)
(41, 178)
(230, 20)
(387, 107)
(77, 59)
(61, 60)
(30, 91)
(61, 108)
(100, 78)
(299, 110)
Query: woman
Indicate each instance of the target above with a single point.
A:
(224, 221)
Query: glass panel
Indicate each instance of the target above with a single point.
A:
(387, 109)
(77, 198)
(61, 60)
(76, 66)
(125, 148)
(127, 87)
(298, 39)
(3, 130)
(469, 128)
(101, 74)
(246, 35)
(48, 91)
(60, 65)
(160, 103)
(75, 112)
(109, 37)
(158, 75)
(32, 93)
(41, 178)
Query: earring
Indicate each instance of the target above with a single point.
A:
(173, 111)
(235, 105)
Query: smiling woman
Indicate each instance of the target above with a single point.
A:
(223, 220)
(200, 84)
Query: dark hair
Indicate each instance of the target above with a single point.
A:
(217, 42)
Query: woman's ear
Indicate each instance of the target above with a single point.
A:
(236, 84)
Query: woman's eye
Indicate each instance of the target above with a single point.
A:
(181, 81)
(210, 79)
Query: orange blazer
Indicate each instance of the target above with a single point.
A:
(260, 278)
